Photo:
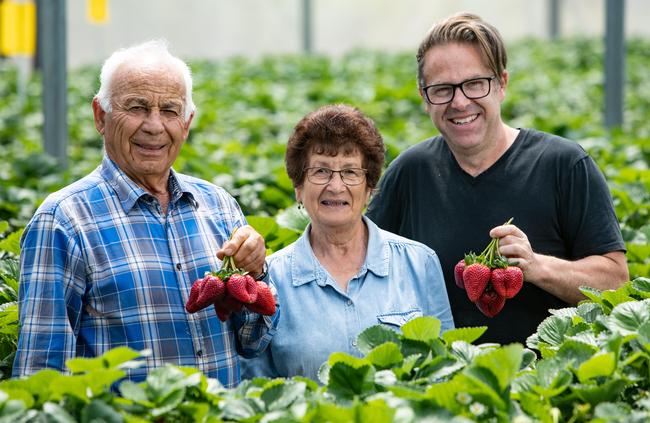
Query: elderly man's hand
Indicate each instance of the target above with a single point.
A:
(247, 248)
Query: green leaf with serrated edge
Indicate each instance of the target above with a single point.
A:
(528, 358)
(375, 336)
(171, 401)
(375, 411)
(609, 390)
(592, 293)
(589, 311)
(4, 225)
(600, 365)
(616, 297)
(134, 392)
(445, 394)
(385, 355)
(536, 407)
(464, 351)
(412, 347)
(424, 328)
(346, 358)
(574, 352)
(626, 318)
(310, 385)
(334, 413)
(503, 362)
(111, 359)
(641, 287)
(404, 372)
(162, 381)
(552, 378)
(346, 381)
(553, 329)
(11, 243)
(611, 412)
(467, 334)
(55, 413)
(483, 386)
(99, 411)
(281, 396)
(407, 392)
(238, 409)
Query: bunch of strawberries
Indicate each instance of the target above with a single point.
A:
(230, 289)
(488, 278)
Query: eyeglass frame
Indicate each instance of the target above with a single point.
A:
(425, 90)
(332, 172)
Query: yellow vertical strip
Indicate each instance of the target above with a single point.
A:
(17, 28)
(97, 11)
(29, 29)
(8, 23)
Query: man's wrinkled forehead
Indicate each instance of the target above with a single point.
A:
(148, 77)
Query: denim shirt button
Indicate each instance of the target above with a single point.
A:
(354, 342)
(349, 303)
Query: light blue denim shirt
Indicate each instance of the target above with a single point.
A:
(400, 279)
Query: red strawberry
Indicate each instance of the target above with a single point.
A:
(191, 306)
(212, 289)
(490, 303)
(507, 282)
(227, 305)
(265, 303)
(242, 288)
(458, 274)
(476, 277)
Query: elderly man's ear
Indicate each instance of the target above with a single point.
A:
(99, 114)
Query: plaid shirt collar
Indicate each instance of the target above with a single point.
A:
(129, 192)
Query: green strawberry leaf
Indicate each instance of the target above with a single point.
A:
(503, 362)
(385, 356)
(376, 411)
(552, 330)
(349, 379)
(641, 287)
(467, 334)
(375, 336)
(424, 328)
(576, 352)
(99, 411)
(597, 366)
(609, 390)
(281, 396)
(626, 318)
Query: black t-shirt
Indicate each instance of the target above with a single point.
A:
(549, 185)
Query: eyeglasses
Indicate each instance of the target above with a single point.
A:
(322, 175)
(472, 88)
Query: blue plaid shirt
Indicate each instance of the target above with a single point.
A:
(102, 267)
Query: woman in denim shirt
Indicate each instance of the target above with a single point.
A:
(343, 274)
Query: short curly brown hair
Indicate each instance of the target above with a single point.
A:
(332, 130)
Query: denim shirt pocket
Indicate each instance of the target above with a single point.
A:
(398, 318)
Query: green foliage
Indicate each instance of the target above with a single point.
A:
(592, 361)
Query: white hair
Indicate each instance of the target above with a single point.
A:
(154, 49)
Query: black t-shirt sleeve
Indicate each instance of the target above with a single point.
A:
(591, 226)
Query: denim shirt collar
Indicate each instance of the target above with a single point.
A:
(305, 268)
(129, 192)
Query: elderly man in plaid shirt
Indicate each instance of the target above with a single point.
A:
(109, 260)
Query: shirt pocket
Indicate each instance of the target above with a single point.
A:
(398, 318)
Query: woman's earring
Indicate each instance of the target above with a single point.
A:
(300, 206)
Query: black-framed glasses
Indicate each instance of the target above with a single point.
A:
(473, 89)
(349, 176)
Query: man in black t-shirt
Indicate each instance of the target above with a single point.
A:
(451, 191)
